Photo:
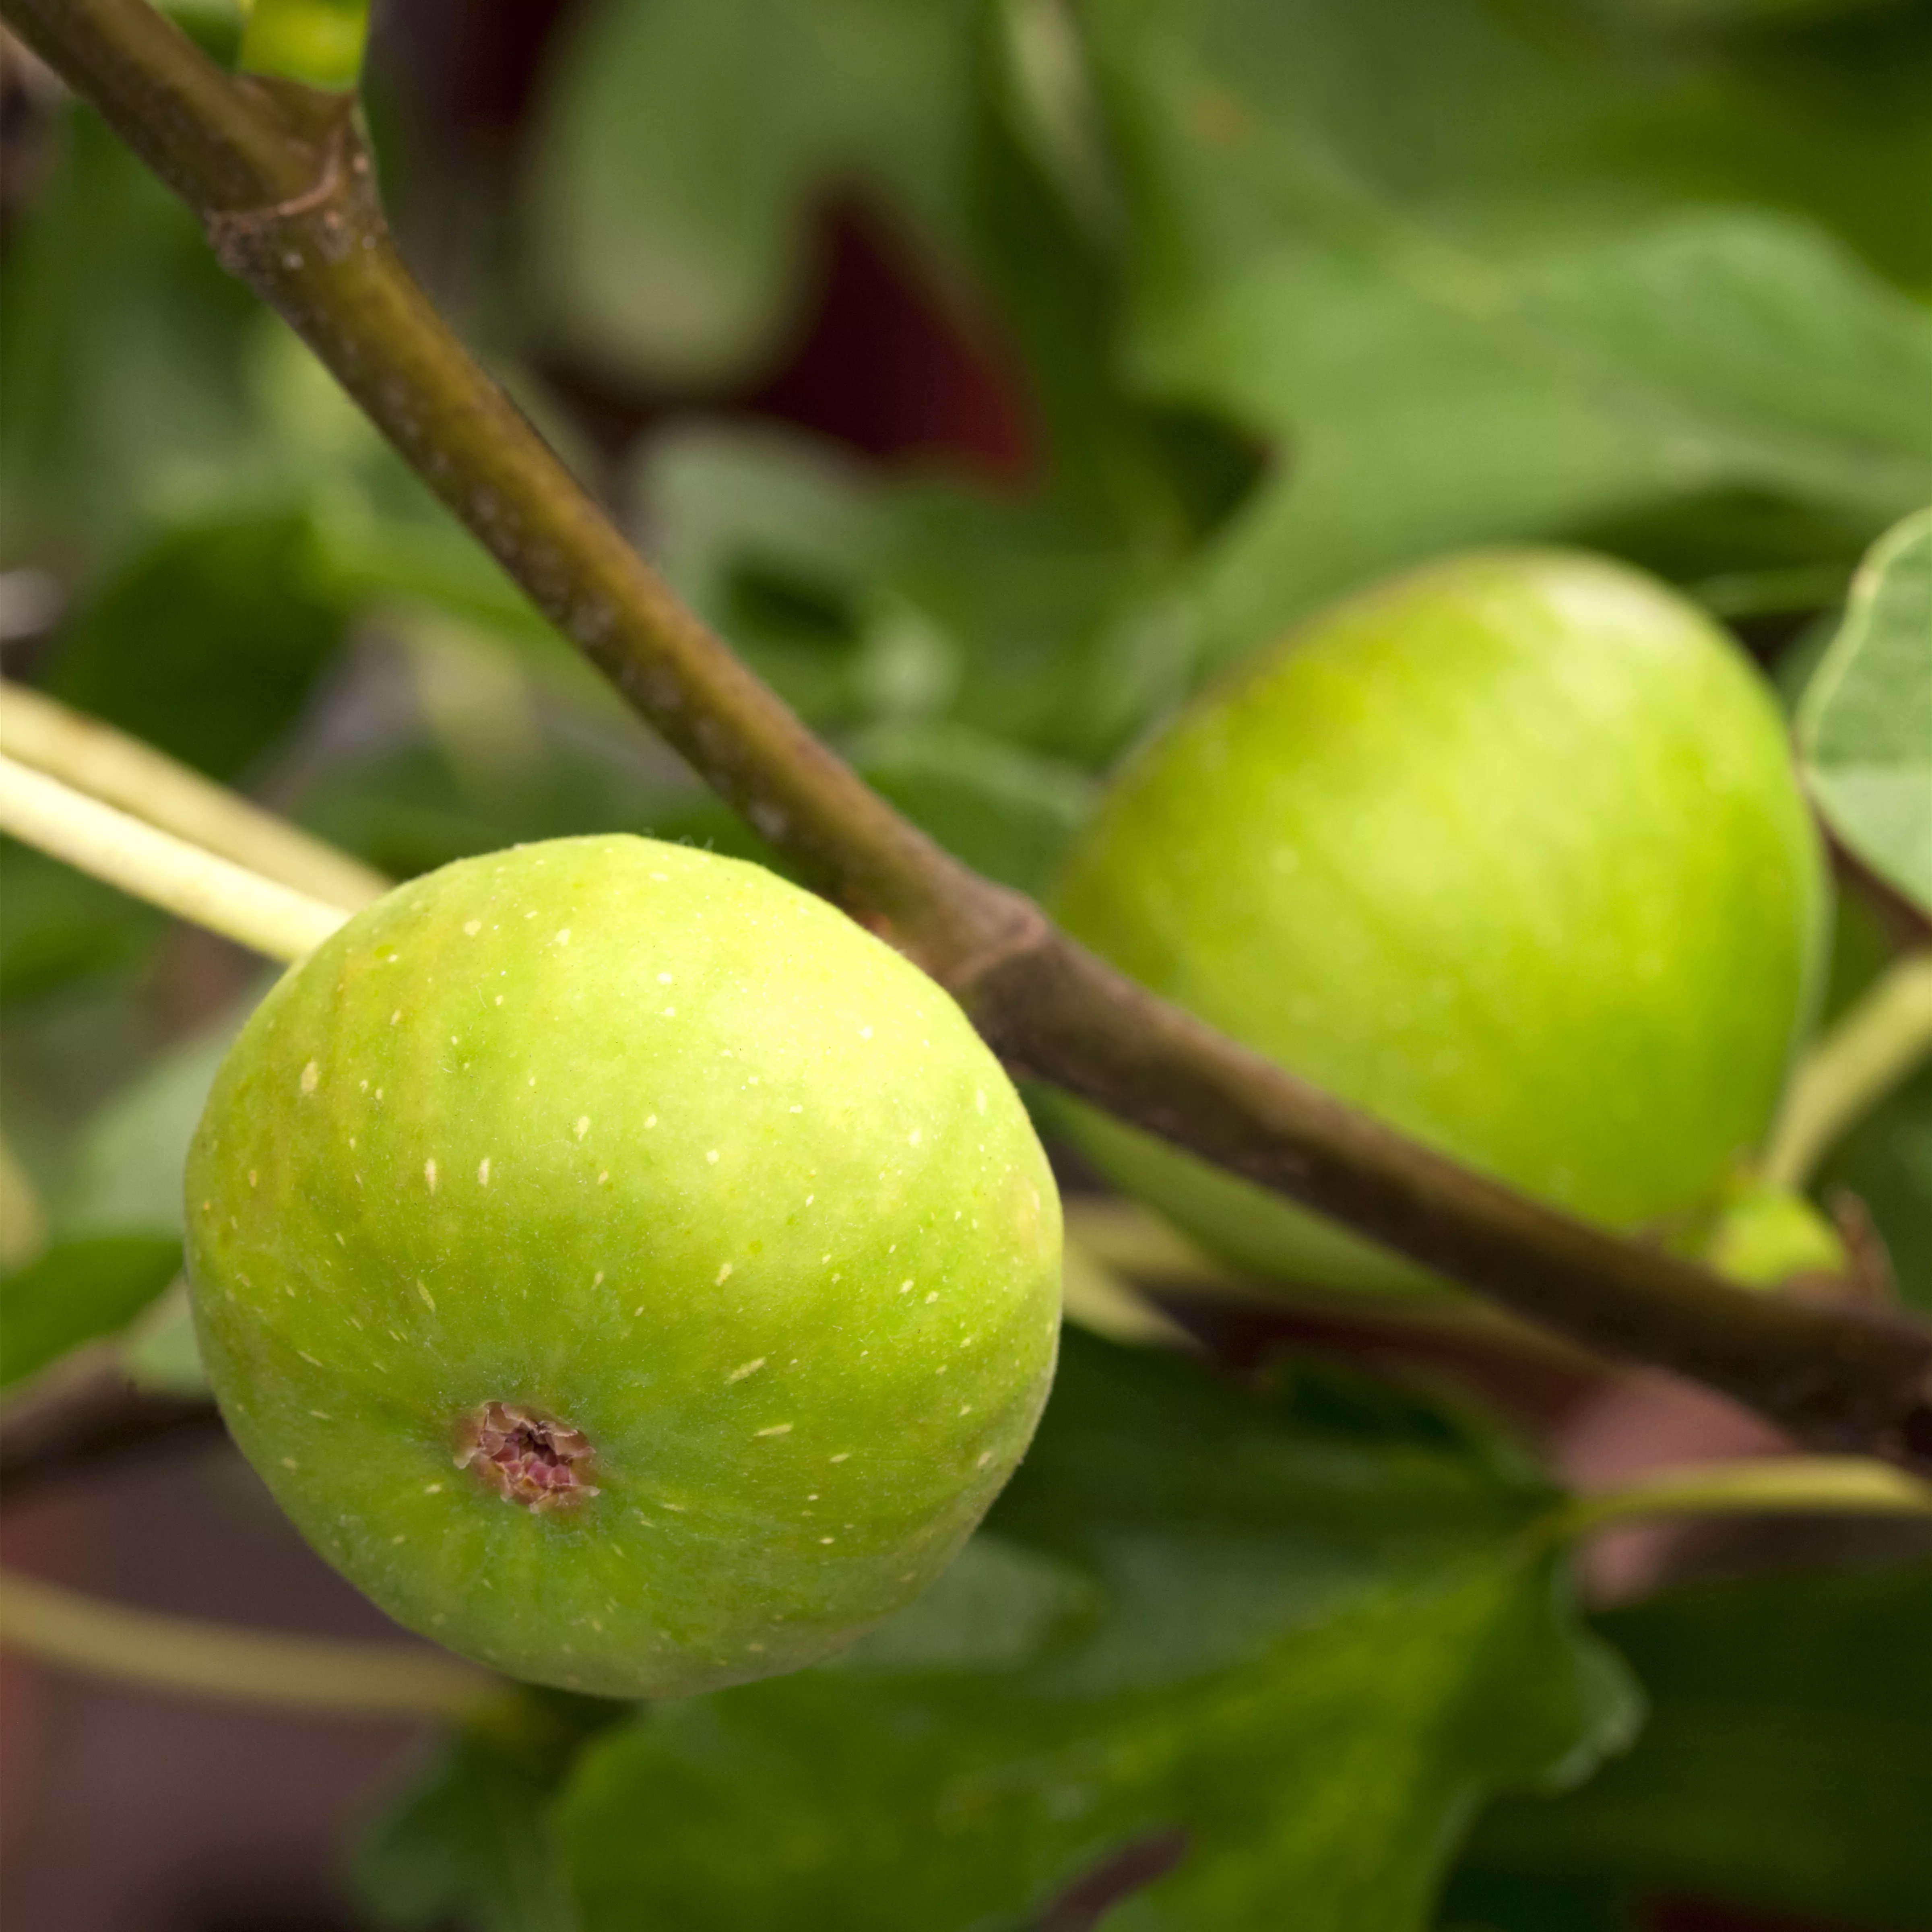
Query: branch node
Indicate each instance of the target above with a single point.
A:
(331, 217)
(1019, 928)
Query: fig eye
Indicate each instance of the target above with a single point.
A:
(525, 1456)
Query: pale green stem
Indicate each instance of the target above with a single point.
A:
(1768, 1485)
(23, 1224)
(1126, 1237)
(1868, 1053)
(1097, 1297)
(121, 771)
(155, 865)
(180, 1654)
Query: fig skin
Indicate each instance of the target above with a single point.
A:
(1507, 851)
(621, 1267)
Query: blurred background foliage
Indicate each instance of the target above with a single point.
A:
(991, 373)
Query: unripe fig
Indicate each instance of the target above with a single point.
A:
(622, 1267)
(1509, 853)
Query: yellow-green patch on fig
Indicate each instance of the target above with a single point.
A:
(622, 1266)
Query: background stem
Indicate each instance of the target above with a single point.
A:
(155, 865)
(1763, 1485)
(23, 1226)
(121, 771)
(179, 1653)
(1872, 1049)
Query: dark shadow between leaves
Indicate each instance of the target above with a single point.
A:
(1084, 1904)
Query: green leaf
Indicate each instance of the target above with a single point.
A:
(1750, 349)
(683, 145)
(126, 1164)
(998, 1608)
(1479, 1899)
(206, 641)
(1865, 725)
(1324, 1639)
(1445, 360)
(60, 924)
(122, 335)
(215, 26)
(1432, 404)
(1787, 1764)
(160, 1353)
(76, 1291)
(1886, 1161)
(468, 1840)
(1816, 105)
(1006, 812)
(774, 538)
(510, 759)
(1036, 619)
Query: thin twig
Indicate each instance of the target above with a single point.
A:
(122, 772)
(279, 178)
(190, 1658)
(23, 1223)
(167, 872)
(1755, 1485)
(1875, 1047)
(84, 1413)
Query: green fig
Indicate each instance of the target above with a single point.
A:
(1508, 852)
(622, 1267)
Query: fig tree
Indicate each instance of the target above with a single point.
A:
(1508, 852)
(621, 1267)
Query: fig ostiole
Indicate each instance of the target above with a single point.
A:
(1509, 852)
(622, 1267)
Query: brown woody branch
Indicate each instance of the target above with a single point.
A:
(280, 179)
